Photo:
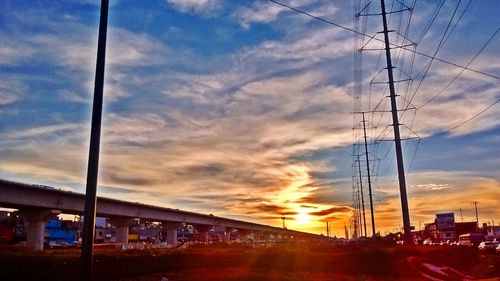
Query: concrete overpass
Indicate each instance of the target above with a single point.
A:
(39, 202)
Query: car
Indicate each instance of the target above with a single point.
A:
(488, 246)
(427, 242)
(498, 249)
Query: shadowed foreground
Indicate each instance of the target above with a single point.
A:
(281, 262)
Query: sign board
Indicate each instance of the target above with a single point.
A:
(445, 221)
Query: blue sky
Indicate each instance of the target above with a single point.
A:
(243, 108)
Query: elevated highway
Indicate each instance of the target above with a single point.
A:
(38, 202)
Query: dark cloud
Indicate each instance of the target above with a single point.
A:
(274, 209)
(210, 169)
(330, 218)
(109, 189)
(327, 195)
(131, 179)
(308, 206)
(340, 209)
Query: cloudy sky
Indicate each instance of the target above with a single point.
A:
(244, 108)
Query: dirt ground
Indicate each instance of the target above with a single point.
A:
(279, 262)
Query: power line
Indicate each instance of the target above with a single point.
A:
(466, 121)
(460, 73)
(380, 40)
(438, 48)
(434, 16)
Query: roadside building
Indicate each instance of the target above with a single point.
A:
(491, 232)
(12, 227)
(444, 228)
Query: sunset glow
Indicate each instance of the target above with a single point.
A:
(244, 109)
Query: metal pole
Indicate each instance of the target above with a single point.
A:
(95, 135)
(360, 218)
(362, 196)
(369, 178)
(477, 217)
(397, 137)
(357, 218)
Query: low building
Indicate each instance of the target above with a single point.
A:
(491, 232)
(444, 228)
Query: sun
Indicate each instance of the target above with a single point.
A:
(302, 218)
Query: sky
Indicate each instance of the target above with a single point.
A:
(245, 109)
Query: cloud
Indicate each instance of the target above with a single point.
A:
(68, 48)
(12, 55)
(43, 130)
(248, 133)
(274, 210)
(433, 186)
(10, 91)
(202, 7)
(326, 212)
(266, 12)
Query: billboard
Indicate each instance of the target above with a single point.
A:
(445, 221)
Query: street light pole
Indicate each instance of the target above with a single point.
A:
(95, 138)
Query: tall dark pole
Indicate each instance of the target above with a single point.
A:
(369, 178)
(95, 136)
(360, 218)
(397, 137)
(362, 196)
(477, 217)
(356, 209)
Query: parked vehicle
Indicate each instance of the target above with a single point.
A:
(488, 246)
(498, 249)
(471, 239)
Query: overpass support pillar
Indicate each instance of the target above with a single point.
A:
(253, 236)
(36, 220)
(171, 231)
(171, 236)
(267, 237)
(122, 228)
(259, 236)
(246, 235)
(203, 233)
(227, 235)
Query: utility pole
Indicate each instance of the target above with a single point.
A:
(355, 210)
(327, 230)
(397, 138)
(87, 252)
(369, 178)
(362, 196)
(360, 218)
(461, 215)
(475, 206)
(357, 221)
(355, 218)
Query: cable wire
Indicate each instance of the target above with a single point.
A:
(462, 71)
(361, 33)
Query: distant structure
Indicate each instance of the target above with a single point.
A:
(445, 229)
